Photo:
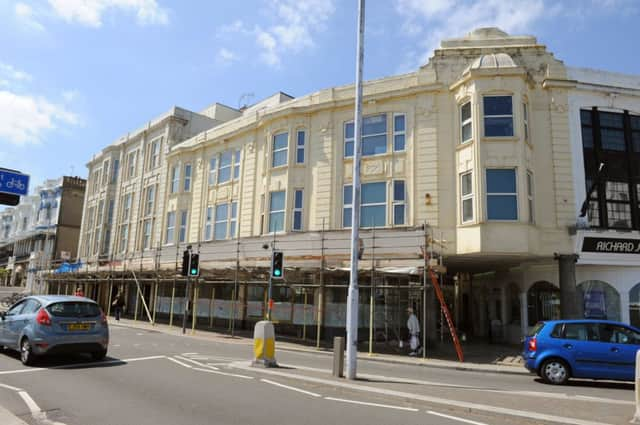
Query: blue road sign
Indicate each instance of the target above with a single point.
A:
(14, 182)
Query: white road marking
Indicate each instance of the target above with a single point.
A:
(10, 372)
(195, 362)
(455, 418)
(188, 354)
(32, 405)
(9, 387)
(180, 363)
(137, 359)
(540, 394)
(531, 415)
(365, 403)
(235, 375)
(291, 388)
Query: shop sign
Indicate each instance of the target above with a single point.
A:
(611, 245)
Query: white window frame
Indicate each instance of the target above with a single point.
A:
(184, 221)
(275, 151)
(123, 239)
(274, 212)
(213, 170)
(363, 205)
(466, 197)
(126, 207)
(525, 120)
(175, 179)
(146, 233)
(105, 172)
(530, 197)
(114, 170)
(495, 194)
(225, 167)
(300, 147)
(485, 116)
(154, 153)
(233, 220)
(236, 165)
(221, 221)
(186, 184)
(150, 200)
(208, 224)
(365, 137)
(131, 163)
(297, 210)
(170, 228)
(349, 140)
(465, 122)
(402, 133)
(399, 202)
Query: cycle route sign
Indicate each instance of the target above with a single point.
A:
(14, 182)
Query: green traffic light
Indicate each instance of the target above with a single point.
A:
(277, 272)
(194, 271)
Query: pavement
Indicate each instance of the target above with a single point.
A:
(157, 376)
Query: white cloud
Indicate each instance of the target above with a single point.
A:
(24, 119)
(10, 74)
(90, 12)
(298, 21)
(435, 20)
(226, 57)
(24, 14)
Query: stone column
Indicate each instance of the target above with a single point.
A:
(524, 314)
(571, 307)
(624, 307)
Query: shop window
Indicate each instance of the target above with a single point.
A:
(600, 300)
(543, 302)
(612, 139)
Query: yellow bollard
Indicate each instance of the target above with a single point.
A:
(264, 344)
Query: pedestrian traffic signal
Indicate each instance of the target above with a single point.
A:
(277, 265)
(194, 268)
(185, 262)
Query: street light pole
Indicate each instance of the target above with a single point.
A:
(353, 298)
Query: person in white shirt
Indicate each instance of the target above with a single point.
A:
(414, 331)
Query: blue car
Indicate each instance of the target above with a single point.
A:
(39, 325)
(593, 349)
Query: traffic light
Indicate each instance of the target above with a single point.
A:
(194, 269)
(185, 262)
(277, 265)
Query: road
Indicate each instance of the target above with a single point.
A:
(151, 377)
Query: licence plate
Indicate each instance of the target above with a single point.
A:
(78, 326)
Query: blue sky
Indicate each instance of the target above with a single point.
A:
(77, 74)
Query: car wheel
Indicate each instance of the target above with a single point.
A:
(26, 352)
(99, 355)
(555, 371)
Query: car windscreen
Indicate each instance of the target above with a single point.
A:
(537, 328)
(74, 309)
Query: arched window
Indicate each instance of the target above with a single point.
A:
(600, 300)
(634, 305)
(543, 302)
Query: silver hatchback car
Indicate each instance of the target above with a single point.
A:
(39, 325)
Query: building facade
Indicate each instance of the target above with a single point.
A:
(469, 162)
(42, 230)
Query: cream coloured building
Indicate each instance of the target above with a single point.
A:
(479, 144)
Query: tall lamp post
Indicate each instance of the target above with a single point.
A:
(352, 300)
